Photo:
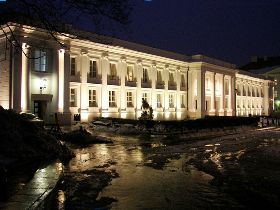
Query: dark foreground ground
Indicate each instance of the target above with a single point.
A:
(236, 170)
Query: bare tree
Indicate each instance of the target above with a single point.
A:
(55, 15)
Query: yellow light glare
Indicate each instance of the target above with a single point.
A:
(84, 117)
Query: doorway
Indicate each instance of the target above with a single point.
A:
(40, 108)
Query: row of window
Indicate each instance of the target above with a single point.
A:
(93, 72)
(92, 99)
(246, 91)
(217, 85)
(248, 104)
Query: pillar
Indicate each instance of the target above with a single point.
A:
(104, 90)
(24, 79)
(61, 80)
(222, 101)
(233, 96)
(84, 88)
(200, 75)
(213, 95)
(122, 66)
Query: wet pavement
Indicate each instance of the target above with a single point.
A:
(232, 171)
(34, 193)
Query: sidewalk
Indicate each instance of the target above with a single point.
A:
(36, 193)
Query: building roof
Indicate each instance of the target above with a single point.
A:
(262, 62)
(265, 70)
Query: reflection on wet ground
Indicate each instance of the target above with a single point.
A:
(150, 173)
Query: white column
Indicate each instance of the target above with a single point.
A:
(200, 75)
(191, 98)
(213, 94)
(153, 90)
(178, 95)
(24, 79)
(122, 73)
(84, 88)
(61, 80)
(166, 94)
(138, 69)
(104, 90)
(266, 98)
(233, 96)
(222, 101)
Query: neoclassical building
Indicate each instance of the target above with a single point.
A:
(109, 78)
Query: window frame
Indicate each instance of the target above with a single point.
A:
(73, 68)
(92, 98)
(159, 100)
(130, 69)
(39, 58)
(112, 98)
(113, 71)
(145, 75)
(93, 71)
(129, 99)
(171, 102)
(73, 103)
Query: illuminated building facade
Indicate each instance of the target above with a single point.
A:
(109, 80)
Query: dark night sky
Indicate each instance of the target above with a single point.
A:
(231, 30)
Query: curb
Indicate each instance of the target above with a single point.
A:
(38, 193)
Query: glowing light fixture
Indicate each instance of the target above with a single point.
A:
(43, 84)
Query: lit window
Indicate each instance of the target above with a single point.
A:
(244, 91)
(40, 60)
(145, 75)
(159, 101)
(130, 73)
(73, 66)
(113, 71)
(183, 82)
(73, 97)
(226, 87)
(129, 99)
(92, 69)
(171, 77)
(92, 98)
(275, 93)
(207, 84)
(112, 99)
(226, 103)
(159, 77)
(182, 101)
(238, 103)
(145, 96)
(171, 100)
(239, 90)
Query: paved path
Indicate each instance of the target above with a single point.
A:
(35, 193)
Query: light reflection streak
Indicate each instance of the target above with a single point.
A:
(216, 158)
(267, 128)
(61, 200)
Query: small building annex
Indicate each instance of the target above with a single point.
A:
(110, 79)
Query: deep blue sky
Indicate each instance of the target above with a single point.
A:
(231, 30)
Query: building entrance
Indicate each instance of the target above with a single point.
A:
(40, 108)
